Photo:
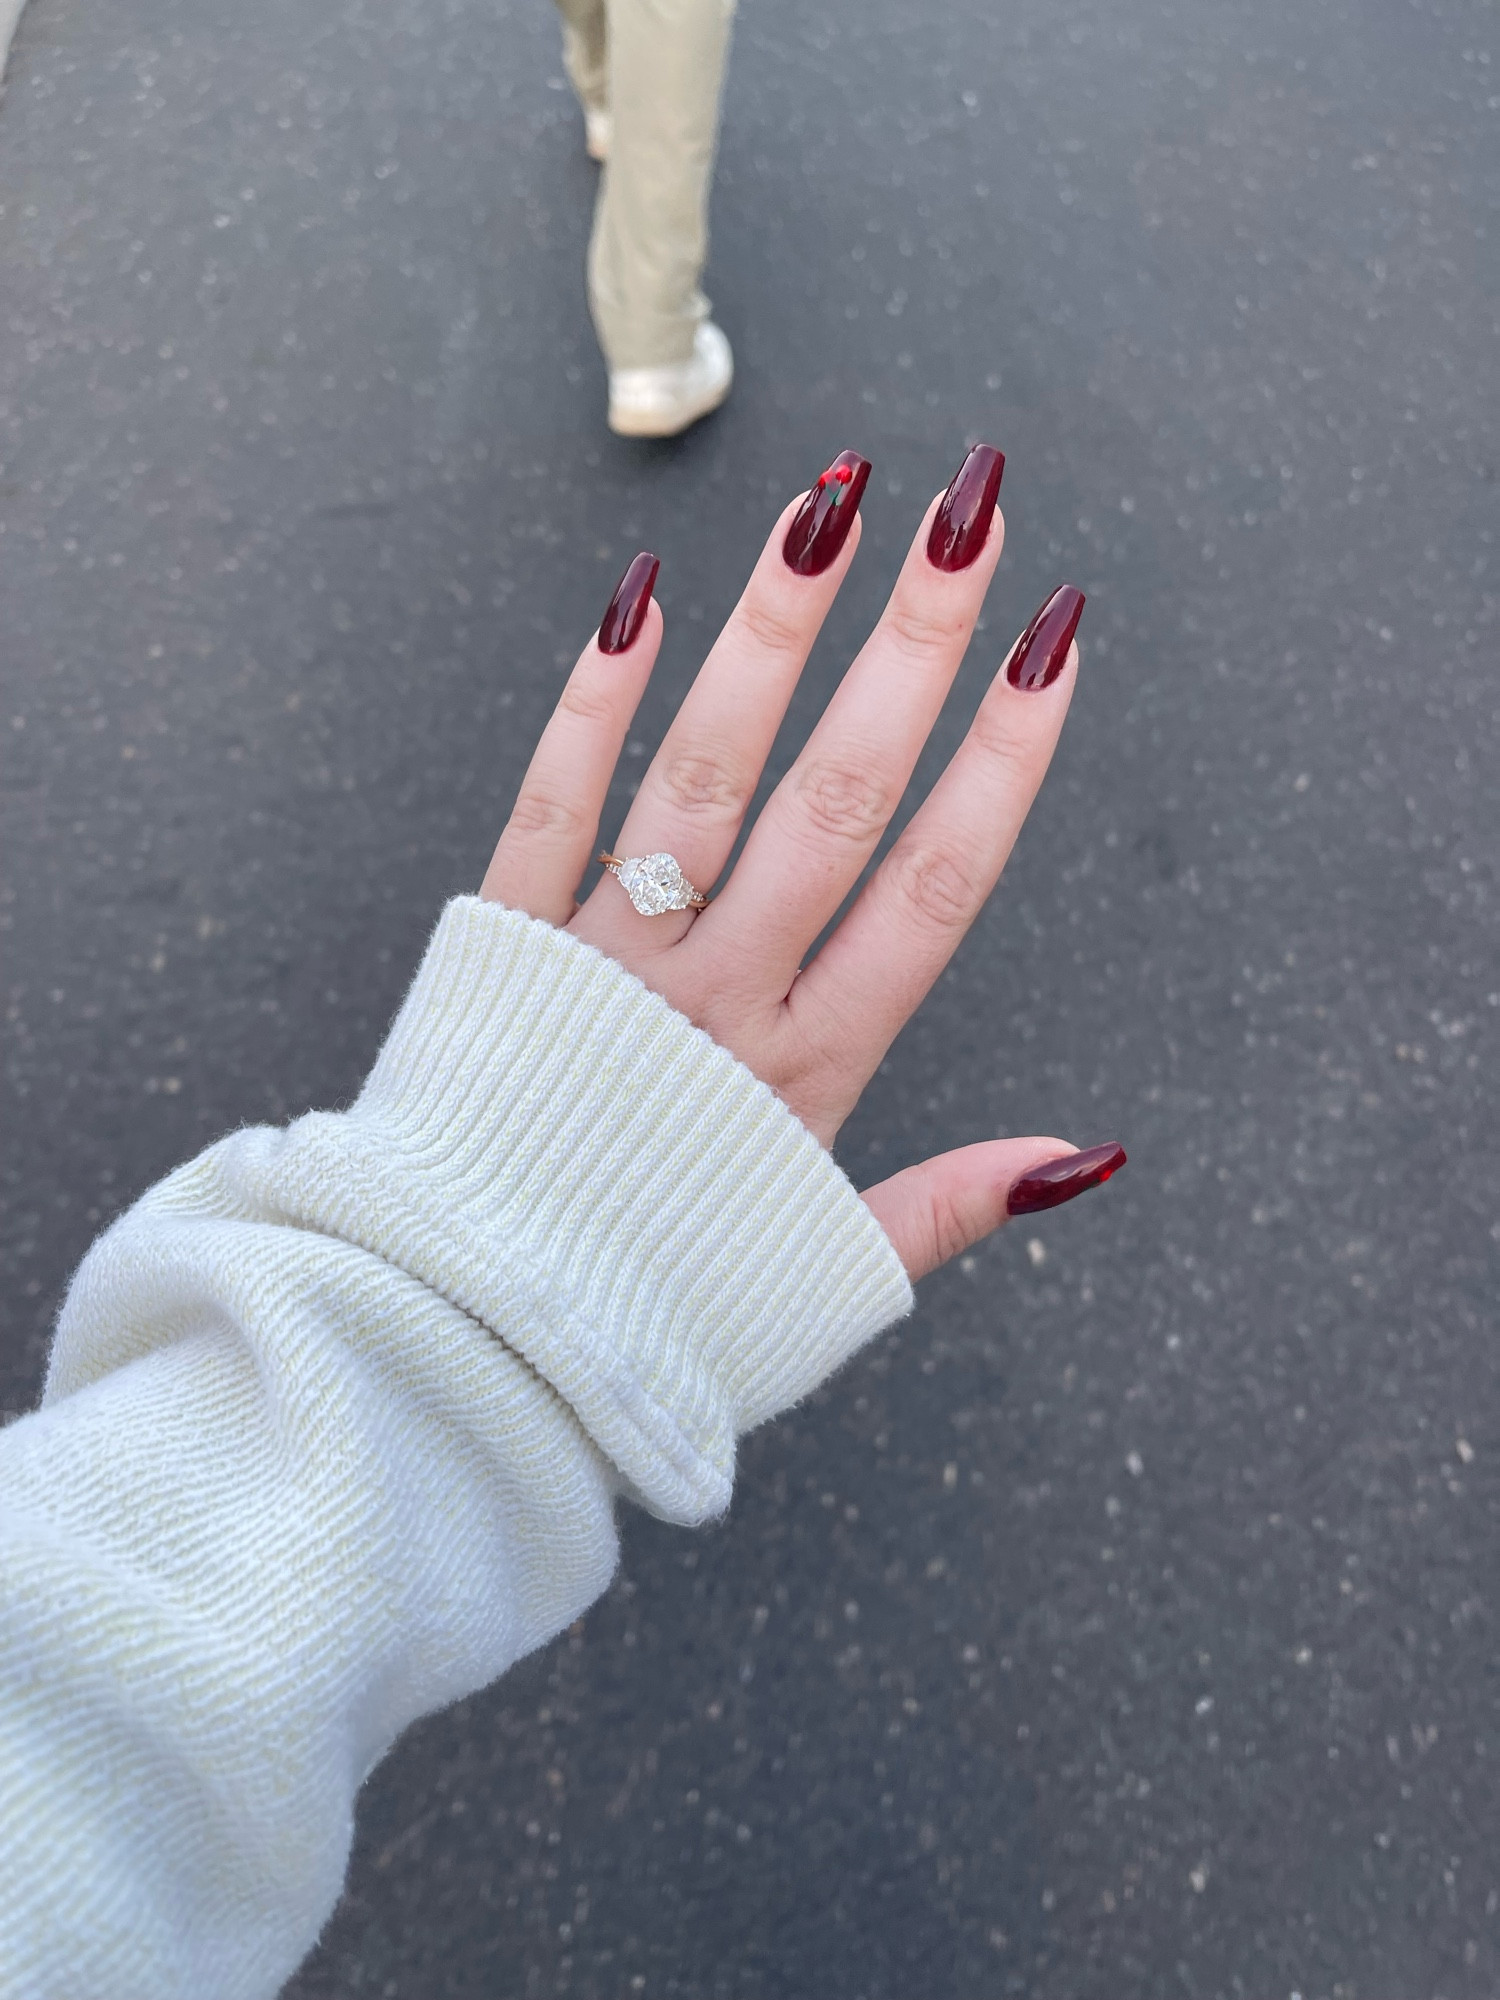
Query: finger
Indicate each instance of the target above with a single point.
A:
(694, 795)
(871, 976)
(823, 821)
(933, 1211)
(549, 838)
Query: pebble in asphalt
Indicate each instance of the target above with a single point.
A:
(1125, 1624)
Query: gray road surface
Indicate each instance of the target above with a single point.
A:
(1126, 1624)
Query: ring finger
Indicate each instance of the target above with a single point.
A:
(913, 912)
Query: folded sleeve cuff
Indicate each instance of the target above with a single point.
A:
(548, 1144)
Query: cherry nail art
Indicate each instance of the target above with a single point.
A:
(1042, 650)
(962, 521)
(1059, 1180)
(820, 527)
(621, 624)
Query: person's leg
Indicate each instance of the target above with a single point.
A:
(666, 65)
(585, 52)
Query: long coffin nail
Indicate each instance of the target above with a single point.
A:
(962, 521)
(820, 527)
(1042, 650)
(1059, 1180)
(621, 624)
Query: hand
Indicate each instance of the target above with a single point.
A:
(816, 1032)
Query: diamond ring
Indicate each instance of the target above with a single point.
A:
(654, 883)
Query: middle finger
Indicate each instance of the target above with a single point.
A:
(824, 819)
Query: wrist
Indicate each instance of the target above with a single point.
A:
(613, 1195)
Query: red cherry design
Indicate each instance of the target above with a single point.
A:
(826, 517)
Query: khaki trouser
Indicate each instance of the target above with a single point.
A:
(658, 66)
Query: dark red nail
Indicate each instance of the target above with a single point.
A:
(962, 520)
(1059, 1180)
(621, 624)
(1042, 650)
(820, 527)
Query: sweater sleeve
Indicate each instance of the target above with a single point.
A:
(334, 1424)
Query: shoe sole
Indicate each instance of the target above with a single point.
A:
(657, 424)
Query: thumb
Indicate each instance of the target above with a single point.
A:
(932, 1211)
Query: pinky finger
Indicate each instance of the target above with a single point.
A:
(934, 1210)
(549, 838)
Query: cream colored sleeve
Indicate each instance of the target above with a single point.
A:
(334, 1425)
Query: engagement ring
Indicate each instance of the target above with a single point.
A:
(654, 883)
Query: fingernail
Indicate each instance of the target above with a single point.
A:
(1042, 650)
(962, 520)
(621, 624)
(820, 527)
(1059, 1180)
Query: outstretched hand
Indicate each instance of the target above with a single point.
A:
(817, 1031)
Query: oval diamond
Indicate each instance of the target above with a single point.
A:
(655, 884)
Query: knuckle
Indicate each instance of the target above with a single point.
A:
(770, 630)
(701, 784)
(542, 815)
(949, 1227)
(585, 703)
(847, 801)
(994, 735)
(924, 628)
(937, 888)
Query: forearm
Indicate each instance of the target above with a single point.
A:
(231, 1572)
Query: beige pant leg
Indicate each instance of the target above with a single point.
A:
(666, 65)
(585, 46)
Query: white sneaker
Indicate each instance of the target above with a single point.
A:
(660, 402)
(598, 130)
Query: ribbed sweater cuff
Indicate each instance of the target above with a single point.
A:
(561, 1154)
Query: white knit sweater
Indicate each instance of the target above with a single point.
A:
(333, 1430)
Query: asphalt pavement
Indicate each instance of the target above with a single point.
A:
(1125, 1624)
